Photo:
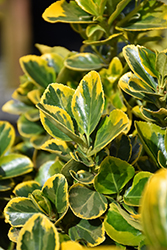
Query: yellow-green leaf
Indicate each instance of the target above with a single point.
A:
(38, 233)
(7, 136)
(61, 11)
(88, 102)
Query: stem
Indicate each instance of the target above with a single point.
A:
(132, 13)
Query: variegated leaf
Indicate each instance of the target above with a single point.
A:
(61, 11)
(86, 203)
(25, 188)
(56, 190)
(88, 102)
(13, 165)
(38, 233)
(110, 127)
(7, 136)
(92, 232)
(38, 70)
(19, 210)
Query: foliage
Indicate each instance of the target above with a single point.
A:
(96, 131)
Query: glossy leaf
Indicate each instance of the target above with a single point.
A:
(13, 165)
(19, 210)
(47, 170)
(84, 62)
(88, 102)
(110, 127)
(86, 203)
(38, 70)
(92, 232)
(54, 120)
(58, 95)
(61, 11)
(58, 123)
(28, 128)
(7, 136)
(38, 233)
(134, 193)
(152, 138)
(25, 188)
(131, 54)
(119, 229)
(89, 6)
(113, 175)
(56, 190)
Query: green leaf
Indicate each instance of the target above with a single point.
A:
(119, 229)
(57, 146)
(84, 62)
(61, 11)
(28, 128)
(113, 175)
(119, 8)
(92, 232)
(121, 147)
(6, 185)
(152, 138)
(132, 56)
(25, 188)
(88, 102)
(47, 170)
(58, 123)
(7, 136)
(19, 210)
(82, 176)
(54, 120)
(38, 70)
(86, 203)
(72, 165)
(134, 193)
(89, 6)
(110, 127)
(58, 95)
(58, 50)
(151, 16)
(41, 231)
(161, 64)
(13, 165)
(56, 190)
(148, 58)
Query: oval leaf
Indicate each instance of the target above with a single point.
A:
(56, 190)
(7, 136)
(25, 188)
(91, 232)
(133, 195)
(19, 210)
(88, 102)
(38, 70)
(119, 229)
(113, 175)
(13, 165)
(86, 203)
(84, 62)
(110, 127)
(41, 231)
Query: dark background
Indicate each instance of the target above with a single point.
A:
(51, 34)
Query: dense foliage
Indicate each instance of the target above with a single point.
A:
(92, 128)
